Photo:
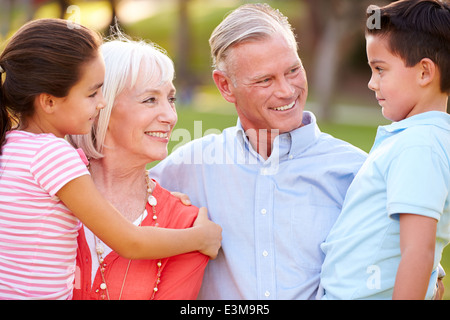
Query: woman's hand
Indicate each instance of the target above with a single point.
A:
(212, 233)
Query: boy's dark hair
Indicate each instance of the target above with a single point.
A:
(417, 29)
(43, 56)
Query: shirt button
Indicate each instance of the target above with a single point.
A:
(267, 294)
(265, 253)
(263, 211)
(291, 157)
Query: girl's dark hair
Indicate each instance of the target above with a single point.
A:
(43, 56)
(417, 29)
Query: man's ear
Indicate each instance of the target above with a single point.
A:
(428, 71)
(46, 102)
(225, 85)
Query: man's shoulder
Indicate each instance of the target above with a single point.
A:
(332, 145)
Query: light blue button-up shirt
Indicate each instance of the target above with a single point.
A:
(275, 213)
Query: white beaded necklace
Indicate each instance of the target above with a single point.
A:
(100, 249)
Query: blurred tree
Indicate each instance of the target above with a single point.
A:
(113, 21)
(5, 17)
(64, 4)
(331, 21)
(185, 79)
(14, 13)
(334, 24)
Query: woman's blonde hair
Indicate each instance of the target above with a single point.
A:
(124, 60)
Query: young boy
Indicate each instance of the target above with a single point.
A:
(395, 221)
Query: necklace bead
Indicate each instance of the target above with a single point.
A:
(100, 249)
(152, 201)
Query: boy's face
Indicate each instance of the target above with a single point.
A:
(394, 84)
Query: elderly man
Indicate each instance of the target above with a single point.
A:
(274, 182)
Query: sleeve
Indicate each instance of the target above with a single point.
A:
(55, 164)
(417, 183)
(182, 277)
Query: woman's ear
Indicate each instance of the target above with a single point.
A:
(428, 71)
(225, 85)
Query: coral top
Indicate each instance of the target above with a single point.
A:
(181, 275)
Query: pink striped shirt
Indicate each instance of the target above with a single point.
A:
(38, 234)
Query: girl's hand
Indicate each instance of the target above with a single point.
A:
(183, 198)
(212, 234)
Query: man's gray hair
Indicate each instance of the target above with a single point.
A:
(248, 22)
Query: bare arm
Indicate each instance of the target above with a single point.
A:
(85, 201)
(417, 243)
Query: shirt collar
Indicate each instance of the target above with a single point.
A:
(291, 143)
(436, 118)
(303, 137)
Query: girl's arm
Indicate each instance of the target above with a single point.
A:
(95, 212)
(417, 243)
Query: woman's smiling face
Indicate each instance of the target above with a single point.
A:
(142, 120)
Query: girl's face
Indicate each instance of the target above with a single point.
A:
(76, 112)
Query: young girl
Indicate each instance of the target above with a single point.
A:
(52, 87)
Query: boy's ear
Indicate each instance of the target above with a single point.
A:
(428, 71)
(225, 85)
(46, 102)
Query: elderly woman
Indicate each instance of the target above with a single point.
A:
(132, 131)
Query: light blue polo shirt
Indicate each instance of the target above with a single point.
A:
(407, 171)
